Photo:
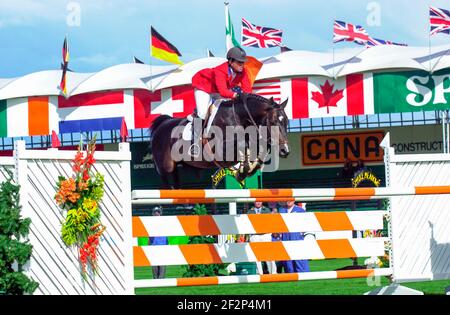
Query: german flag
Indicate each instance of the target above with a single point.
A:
(162, 49)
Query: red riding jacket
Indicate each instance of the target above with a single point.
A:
(218, 80)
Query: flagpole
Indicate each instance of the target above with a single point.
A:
(226, 22)
(150, 62)
(333, 49)
(429, 52)
(333, 61)
(443, 113)
(232, 206)
(68, 52)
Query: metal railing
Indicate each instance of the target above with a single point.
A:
(295, 125)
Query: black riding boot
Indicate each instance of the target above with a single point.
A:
(194, 149)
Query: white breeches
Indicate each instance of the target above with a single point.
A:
(202, 101)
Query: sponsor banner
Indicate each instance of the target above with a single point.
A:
(417, 139)
(336, 148)
(411, 91)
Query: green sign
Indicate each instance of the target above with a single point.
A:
(411, 91)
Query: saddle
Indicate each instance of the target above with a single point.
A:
(188, 132)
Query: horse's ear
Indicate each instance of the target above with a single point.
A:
(271, 102)
(283, 105)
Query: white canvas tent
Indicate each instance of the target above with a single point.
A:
(287, 64)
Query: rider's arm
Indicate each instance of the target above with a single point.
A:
(221, 78)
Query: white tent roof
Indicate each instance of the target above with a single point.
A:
(384, 57)
(124, 76)
(40, 83)
(183, 75)
(287, 64)
(300, 63)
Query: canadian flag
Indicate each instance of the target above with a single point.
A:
(317, 97)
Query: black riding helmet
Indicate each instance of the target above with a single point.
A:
(237, 53)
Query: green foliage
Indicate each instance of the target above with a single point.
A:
(202, 270)
(12, 250)
(80, 196)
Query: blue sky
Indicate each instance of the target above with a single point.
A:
(112, 32)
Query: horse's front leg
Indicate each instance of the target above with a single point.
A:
(254, 167)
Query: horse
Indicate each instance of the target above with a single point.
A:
(249, 110)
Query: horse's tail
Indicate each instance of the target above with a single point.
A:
(158, 121)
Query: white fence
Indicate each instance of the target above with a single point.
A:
(55, 266)
(6, 168)
(420, 225)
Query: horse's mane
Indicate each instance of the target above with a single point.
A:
(258, 97)
(248, 95)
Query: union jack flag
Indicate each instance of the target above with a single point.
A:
(439, 21)
(259, 36)
(348, 32)
(376, 42)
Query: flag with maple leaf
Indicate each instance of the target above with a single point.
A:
(316, 96)
(328, 97)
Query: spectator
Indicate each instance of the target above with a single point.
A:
(273, 206)
(360, 165)
(293, 265)
(348, 169)
(159, 272)
(276, 237)
(257, 209)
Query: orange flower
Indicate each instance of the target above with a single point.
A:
(78, 161)
(73, 197)
(67, 191)
(82, 185)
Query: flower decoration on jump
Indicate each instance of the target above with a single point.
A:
(377, 262)
(80, 195)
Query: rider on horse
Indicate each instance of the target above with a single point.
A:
(225, 81)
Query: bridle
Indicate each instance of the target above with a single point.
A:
(252, 120)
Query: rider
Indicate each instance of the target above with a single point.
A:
(226, 81)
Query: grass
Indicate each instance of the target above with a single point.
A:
(356, 286)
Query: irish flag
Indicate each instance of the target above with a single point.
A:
(30, 116)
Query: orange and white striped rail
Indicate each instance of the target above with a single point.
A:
(193, 225)
(193, 254)
(251, 195)
(284, 277)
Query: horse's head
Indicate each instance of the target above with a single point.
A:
(276, 116)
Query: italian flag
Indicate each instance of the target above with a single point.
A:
(317, 96)
(229, 30)
(31, 116)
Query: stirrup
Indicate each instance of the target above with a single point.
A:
(194, 150)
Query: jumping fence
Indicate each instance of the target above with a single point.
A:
(418, 190)
(53, 265)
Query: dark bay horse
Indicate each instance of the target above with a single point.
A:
(248, 111)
